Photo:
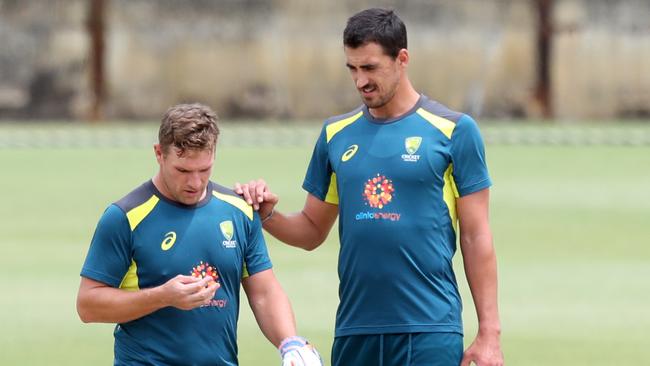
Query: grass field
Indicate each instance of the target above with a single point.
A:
(571, 227)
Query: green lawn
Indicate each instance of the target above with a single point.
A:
(571, 227)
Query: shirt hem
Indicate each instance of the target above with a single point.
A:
(259, 268)
(485, 183)
(310, 188)
(100, 277)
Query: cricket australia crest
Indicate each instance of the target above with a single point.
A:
(228, 231)
(412, 144)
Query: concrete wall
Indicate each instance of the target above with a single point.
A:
(43, 47)
(284, 58)
(601, 59)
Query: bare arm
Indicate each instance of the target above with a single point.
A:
(99, 302)
(481, 270)
(270, 306)
(306, 229)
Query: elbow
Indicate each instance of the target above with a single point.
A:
(306, 245)
(83, 310)
(310, 248)
(482, 242)
(311, 245)
(84, 319)
(83, 315)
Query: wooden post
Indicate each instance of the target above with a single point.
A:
(544, 45)
(96, 25)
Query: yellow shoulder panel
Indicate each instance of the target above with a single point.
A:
(244, 270)
(237, 202)
(334, 128)
(137, 214)
(130, 280)
(332, 195)
(444, 125)
(449, 194)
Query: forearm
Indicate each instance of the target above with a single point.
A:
(112, 305)
(273, 313)
(295, 229)
(481, 271)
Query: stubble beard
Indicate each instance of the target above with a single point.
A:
(177, 193)
(380, 101)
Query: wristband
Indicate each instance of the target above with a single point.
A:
(297, 351)
(291, 343)
(269, 216)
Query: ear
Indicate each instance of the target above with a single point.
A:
(158, 151)
(403, 57)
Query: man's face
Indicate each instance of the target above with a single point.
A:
(375, 74)
(185, 177)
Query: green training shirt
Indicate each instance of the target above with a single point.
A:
(396, 182)
(144, 240)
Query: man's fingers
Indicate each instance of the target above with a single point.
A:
(192, 292)
(206, 294)
(206, 281)
(198, 286)
(250, 193)
(253, 186)
(260, 189)
(212, 289)
(187, 279)
(253, 192)
(245, 192)
(270, 197)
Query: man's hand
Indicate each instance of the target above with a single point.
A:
(296, 351)
(484, 351)
(258, 194)
(187, 292)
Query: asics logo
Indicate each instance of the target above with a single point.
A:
(168, 241)
(349, 153)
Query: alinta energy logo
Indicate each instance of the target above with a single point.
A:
(378, 192)
(204, 269)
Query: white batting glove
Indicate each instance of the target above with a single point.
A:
(296, 351)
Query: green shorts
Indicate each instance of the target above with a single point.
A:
(402, 349)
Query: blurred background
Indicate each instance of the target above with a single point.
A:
(115, 59)
(560, 88)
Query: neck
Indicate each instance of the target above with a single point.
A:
(404, 99)
(160, 186)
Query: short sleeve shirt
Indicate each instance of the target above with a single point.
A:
(144, 240)
(396, 183)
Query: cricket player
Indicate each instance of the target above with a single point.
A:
(167, 261)
(406, 177)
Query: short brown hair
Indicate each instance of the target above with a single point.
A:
(189, 127)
